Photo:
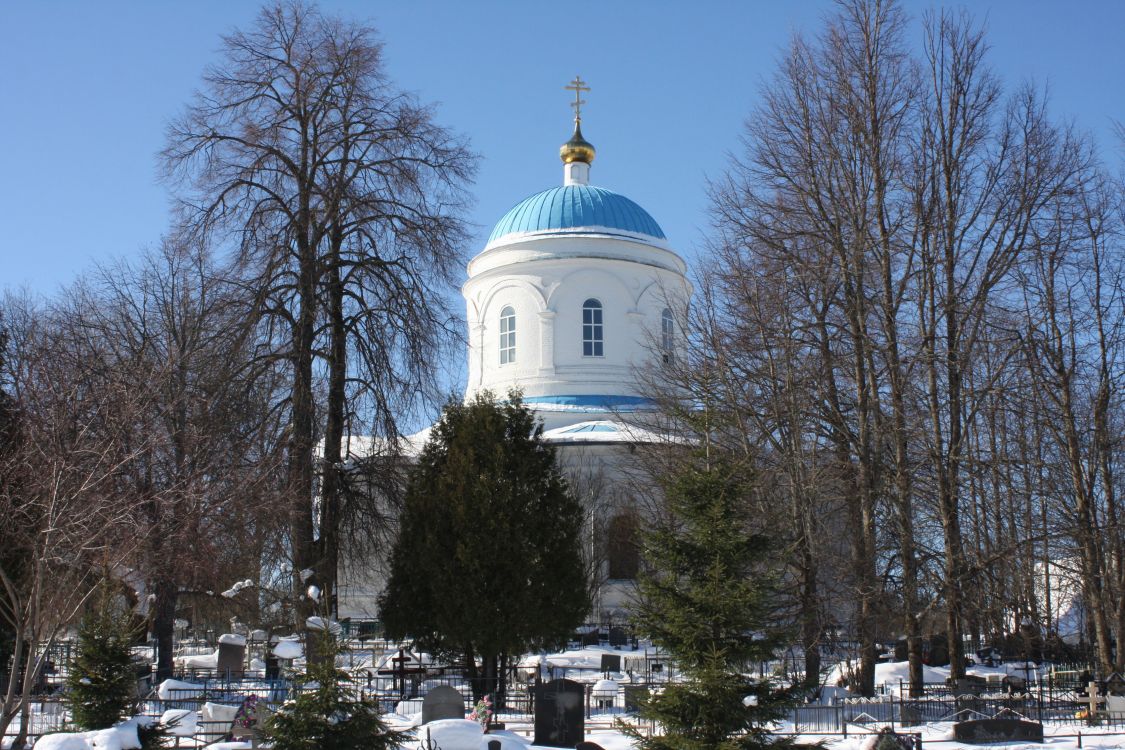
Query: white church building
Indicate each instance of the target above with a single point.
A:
(576, 291)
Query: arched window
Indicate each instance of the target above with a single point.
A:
(622, 552)
(667, 336)
(592, 341)
(507, 335)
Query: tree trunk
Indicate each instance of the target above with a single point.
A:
(166, 593)
(302, 436)
(331, 488)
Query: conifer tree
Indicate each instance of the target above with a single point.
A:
(705, 597)
(331, 716)
(488, 559)
(102, 683)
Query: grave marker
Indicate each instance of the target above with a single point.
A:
(443, 702)
(232, 655)
(986, 731)
(560, 714)
(888, 739)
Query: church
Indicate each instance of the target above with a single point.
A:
(576, 290)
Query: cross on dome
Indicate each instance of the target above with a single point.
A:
(577, 153)
(577, 86)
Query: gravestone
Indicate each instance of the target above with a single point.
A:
(888, 739)
(560, 713)
(273, 666)
(970, 685)
(634, 694)
(591, 639)
(443, 702)
(611, 663)
(232, 656)
(618, 637)
(495, 745)
(986, 731)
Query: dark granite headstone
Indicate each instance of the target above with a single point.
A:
(591, 639)
(634, 694)
(273, 666)
(560, 713)
(970, 685)
(443, 702)
(986, 731)
(1014, 684)
(611, 663)
(232, 659)
(618, 637)
(495, 745)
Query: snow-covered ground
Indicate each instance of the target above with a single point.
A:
(457, 734)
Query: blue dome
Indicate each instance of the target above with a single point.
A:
(575, 206)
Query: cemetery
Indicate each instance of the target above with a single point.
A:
(574, 698)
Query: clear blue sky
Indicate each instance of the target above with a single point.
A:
(88, 86)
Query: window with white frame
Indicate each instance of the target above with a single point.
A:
(592, 341)
(667, 336)
(507, 335)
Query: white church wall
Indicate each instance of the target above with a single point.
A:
(526, 300)
(548, 297)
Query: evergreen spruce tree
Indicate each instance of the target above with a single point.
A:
(329, 717)
(102, 683)
(705, 597)
(488, 559)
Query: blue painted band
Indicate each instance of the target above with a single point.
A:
(592, 402)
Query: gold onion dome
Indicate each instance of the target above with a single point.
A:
(577, 148)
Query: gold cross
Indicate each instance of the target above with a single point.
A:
(577, 86)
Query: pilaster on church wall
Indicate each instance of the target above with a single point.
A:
(546, 343)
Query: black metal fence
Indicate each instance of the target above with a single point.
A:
(939, 703)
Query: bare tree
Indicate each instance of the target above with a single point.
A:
(66, 523)
(1073, 293)
(986, 170)
(344, 198)
(172, 333)
(870, 234)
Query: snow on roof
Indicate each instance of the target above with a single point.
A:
(596, 431)
(604, 431)
(366, 446)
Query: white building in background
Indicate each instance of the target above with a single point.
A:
(575, 292)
